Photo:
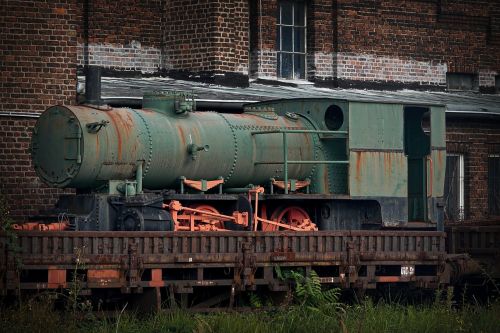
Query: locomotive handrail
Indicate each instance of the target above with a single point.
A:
(285, 150)
(305, 162)
(299, 131)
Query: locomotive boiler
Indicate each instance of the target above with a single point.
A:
(300, 164)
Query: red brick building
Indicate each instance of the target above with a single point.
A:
(418, 44)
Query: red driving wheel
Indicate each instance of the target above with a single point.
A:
(210, 209)
(291, 215)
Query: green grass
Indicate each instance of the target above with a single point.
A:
(39, 316)
(311, 309)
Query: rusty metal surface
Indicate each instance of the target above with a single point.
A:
(479, 245)
(481, 240)
(131, 260)
(56, 245)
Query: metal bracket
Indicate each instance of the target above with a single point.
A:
(193, 149)
(134, 267)
(96, 126)
(201, 185)
(244, 273)
(350, 264)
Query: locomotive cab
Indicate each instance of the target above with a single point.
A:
(394, 171)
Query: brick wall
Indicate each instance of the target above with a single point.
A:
(263, 48)
(370, 67)
(379, 40)
(388, 43)
(187, 39)
(207, 39)
(121, 35)
(37, 54)
(320, 39)
(26, 195)
(476, 139)
(37, 69)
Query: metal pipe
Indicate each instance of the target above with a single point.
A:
(285, 161)
(299, 131)
(238, 190)
(123, 102)
(201, 105)
(303, 162)
(93, 85)
(138, 177)
(19, 114)
(204, 212)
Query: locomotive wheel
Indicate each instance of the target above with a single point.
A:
(211, 209)
(291, 215)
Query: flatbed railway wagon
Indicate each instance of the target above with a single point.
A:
(201, 206)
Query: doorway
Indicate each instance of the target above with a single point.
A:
(417, 148)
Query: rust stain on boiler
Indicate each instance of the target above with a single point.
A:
(112, 116)
(97, 146)
(182, 135)
(126, 121)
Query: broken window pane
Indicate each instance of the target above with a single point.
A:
(299, 66)
(286, 65)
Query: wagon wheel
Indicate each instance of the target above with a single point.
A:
(291, 215)
(218, 225)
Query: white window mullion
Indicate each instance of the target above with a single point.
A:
(461, 194)
(459, 178)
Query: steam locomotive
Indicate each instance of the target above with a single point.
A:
(295, 164)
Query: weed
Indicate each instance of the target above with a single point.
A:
(254, 300)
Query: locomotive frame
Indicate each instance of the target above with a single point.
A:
(382, 191)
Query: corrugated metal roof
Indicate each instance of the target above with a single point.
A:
(468, 103)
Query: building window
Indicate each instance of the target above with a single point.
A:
(291, 39)
(497, 84)
(494, 184)
(462, 81)
(454, 188)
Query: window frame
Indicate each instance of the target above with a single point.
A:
(453, 78)
(461, 186)
(279, 44)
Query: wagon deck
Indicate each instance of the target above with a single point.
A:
(135, 262)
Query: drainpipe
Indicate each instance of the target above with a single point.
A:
(93, 85)
(92, 73)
